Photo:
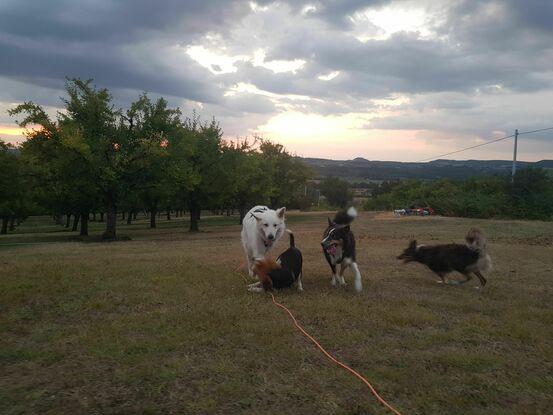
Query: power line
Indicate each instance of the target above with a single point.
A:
(468, 148)
(483, 144)
(536, 131)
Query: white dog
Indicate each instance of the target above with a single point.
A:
(261, 229)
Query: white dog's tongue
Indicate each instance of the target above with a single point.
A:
(269, 243)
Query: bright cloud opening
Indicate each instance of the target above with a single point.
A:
(216, 63)
(276, 66)
(329, 76)
(389, 20)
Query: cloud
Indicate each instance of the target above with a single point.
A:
(462, 68)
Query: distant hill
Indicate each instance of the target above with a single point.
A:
(363, 169)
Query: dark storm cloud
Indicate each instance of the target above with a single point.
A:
(48, 63)
(116, 20)
(118, 43)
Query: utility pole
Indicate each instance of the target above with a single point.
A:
(514, 170)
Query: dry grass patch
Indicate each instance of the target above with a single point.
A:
(162, 324)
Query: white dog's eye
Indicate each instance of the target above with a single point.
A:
(274, 225)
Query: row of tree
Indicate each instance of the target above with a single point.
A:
(528, 196)
(95, 158)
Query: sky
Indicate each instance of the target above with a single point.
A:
(384, 80)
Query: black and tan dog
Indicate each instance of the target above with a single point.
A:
(282, 273)
(339, 247)
(468, 259)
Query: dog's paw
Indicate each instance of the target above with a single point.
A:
(440, 281)
(358, 286)
(334, 281)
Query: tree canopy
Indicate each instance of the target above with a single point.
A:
(96, 158)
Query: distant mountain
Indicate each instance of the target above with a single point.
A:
(363, 169)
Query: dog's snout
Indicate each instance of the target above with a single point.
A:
(271, 237)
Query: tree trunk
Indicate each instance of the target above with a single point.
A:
(94, 217)
(168, 214)
(153, 218)
(5, 221)
(242, 212)
(76, 222)
(84, 224)
(67, 220)
(12, 224)
(129, 218)
(111, 220)
(123, 215)
(101, 216)
(194, 218)
(134, 215)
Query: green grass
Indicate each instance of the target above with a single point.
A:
(162, 324)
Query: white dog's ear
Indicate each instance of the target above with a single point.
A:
(256, 217)
(280, 212)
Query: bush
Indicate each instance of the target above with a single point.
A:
(337, 191)
(529, 197)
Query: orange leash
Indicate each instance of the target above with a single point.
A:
(343, 365)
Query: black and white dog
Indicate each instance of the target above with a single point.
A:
(339, 247)
(282, 273)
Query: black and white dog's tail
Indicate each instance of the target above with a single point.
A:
(345, 217)
(292, 241)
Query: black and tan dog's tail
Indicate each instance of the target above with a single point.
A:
(292, 240)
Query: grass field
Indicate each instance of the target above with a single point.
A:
(162, 324)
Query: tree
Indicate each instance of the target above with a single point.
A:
(150, 124)
(92, 152)
(246, 181)
(207, 171)
(531, 194)
(13, 190)
(288, 174)
(336, 191)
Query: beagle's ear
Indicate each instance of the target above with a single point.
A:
(280, 212)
